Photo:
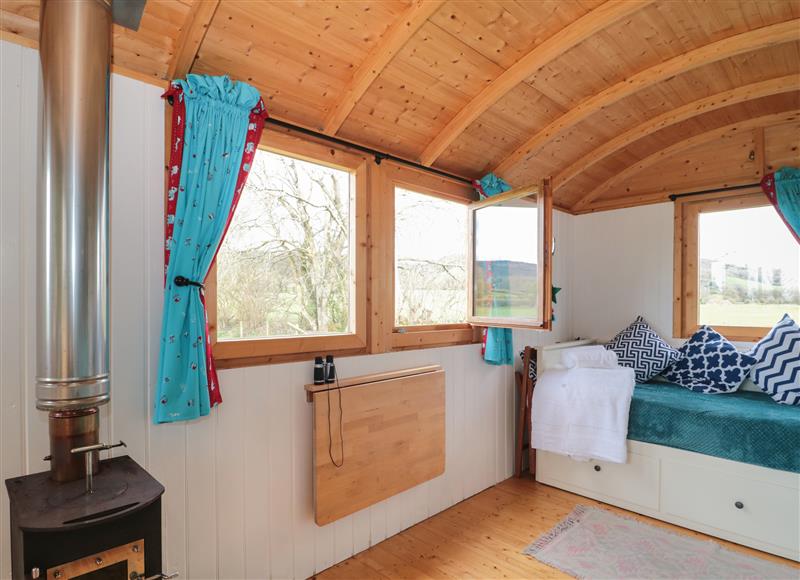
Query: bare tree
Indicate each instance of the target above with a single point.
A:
(284, 268)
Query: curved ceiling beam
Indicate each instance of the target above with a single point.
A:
(699, 139)
(759, 38)
(695, 108)
(562, 41)
(398, 34)
(191, 37)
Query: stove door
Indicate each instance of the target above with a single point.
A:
(121, 563)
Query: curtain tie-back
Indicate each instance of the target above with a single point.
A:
(183, 281)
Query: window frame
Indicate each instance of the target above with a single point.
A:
(254, 351)
(386, 335)
(544, 202)
(686, 253)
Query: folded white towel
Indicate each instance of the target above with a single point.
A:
(594, 356)
(583, 413)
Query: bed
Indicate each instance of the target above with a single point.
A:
(725, 465)
(743, 426)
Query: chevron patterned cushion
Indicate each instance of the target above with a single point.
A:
(710, 364)
(641, 348)
(777, 368)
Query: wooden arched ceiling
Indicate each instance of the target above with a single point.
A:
(683, 144)
(585, 91)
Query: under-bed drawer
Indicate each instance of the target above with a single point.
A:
(756, 509)
(635, 482)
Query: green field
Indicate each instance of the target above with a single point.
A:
(765, 315)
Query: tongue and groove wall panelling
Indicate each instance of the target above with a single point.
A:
(301, 59)
(17, 175)
(653, 100)
(509, 35)
(526, 89)
(593, 182)
(782, 146)
(144, 54)
(618, 191)
(431, 77)
(731, 157)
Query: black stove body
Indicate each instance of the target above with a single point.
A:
(59, 531)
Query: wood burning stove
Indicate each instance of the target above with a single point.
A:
(61, 532)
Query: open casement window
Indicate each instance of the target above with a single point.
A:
(510, 254)
(736, 266)
(419, 260)
(290, 277)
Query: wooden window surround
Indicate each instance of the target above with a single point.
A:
(543, 198)
(385, 336)
(247, 352)
(686, 266)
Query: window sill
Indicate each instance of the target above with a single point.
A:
(255, 352)
(268, 359)
(416, 337)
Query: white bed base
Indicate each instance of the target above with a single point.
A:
(747, 504)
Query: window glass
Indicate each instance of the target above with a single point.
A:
(506, 265)
(430, 260)
(286, 266)
(748, 268)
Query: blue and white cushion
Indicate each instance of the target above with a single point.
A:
(710, 364)
(640, 348)
(777, 368)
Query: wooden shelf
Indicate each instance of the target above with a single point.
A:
(363, 379)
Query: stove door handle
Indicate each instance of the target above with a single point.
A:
(160, 576)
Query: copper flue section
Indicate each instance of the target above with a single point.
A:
(70, 429)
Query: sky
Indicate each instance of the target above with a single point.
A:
(507, 233)
(433, 228)
(439, 229)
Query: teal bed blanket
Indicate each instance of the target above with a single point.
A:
(742, 426)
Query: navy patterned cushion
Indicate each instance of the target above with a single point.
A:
(777, 368)
(640, 348)
(710, 364)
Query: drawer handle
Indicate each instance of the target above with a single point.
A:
(739, 505)
(597, 468)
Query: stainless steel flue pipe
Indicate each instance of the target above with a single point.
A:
(72, 370)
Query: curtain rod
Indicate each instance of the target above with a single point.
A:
(675, 196)
(378, 155)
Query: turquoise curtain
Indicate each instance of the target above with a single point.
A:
(499, 347)
(217, 130)
(783, 190)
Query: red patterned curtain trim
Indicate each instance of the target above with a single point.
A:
(258, 115)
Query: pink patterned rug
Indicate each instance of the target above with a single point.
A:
(596, 543)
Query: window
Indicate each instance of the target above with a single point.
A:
(290, 275)
(418, 260)
(285, 267)
(430, 260)
(738, 266)
(510, 259)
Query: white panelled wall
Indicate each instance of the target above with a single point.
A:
(238, 483)
(622, 268)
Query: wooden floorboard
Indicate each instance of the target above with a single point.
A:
(482, 537)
